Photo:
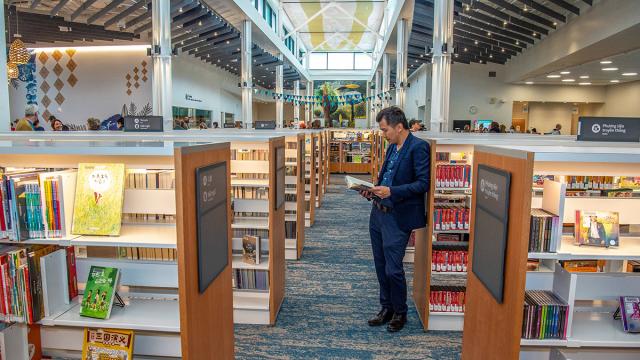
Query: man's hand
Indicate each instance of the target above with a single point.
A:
(366, 194)
(382, 192)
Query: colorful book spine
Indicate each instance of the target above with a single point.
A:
(447, 299)
(451, 217)
(453, 176)
(545, 316)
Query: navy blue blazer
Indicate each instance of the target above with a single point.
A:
(410, 182)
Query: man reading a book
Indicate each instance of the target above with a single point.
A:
(398, 208)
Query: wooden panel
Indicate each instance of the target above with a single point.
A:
(215, 306)
(429, 231)
(420, 276)
(276, 237)
(300, 196)
(312, 161)
(355, 168)
(492, 330)
(317, 164)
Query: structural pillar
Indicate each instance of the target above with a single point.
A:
(246, 76)
(377, 101)
(309, 100)
(279, 91)
(369, 105)
(386, 79)
(441, 68)
(401, 62)
(162, 89)
(296, 99)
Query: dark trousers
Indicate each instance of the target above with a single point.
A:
(389, 243)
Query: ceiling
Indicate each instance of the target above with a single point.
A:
(592, 73)
(196, 30)
(491, 30)
(342, 25)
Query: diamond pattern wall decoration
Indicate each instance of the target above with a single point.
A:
(45, 87)
(46, 102)
(43, 57)
(44, 72)
(71, 65)
(58, 70)
(57, 55)
(72, 80)
(59, 99)
(46, 114)
(70, 52)
(58, 84)
(144, 71)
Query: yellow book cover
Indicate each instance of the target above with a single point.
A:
(108, 344)
(99, 197)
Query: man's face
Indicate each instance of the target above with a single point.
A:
(57, 125)
(391, 133)
(415, 127)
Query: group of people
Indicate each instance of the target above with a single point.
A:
(31, 122)
(185, 124)
(494, 127)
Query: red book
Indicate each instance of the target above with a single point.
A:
(71, 272)
(28, 298)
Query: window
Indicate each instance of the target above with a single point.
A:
(256, 4)
(289, 42)
(340, 61)
(363, 61)
(268, 14)
(318, 61)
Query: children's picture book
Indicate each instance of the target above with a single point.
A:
(251, 249)
(630, 313)
(108, 344)
(597, 228)
(99, 199)
(99, 292)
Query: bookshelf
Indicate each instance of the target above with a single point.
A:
(319, 165)
(351, 151)
(163, 224)
(294, 193)
(591, 330)
(326, 171)
(310, 144)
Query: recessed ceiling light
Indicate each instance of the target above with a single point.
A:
(568, 80)
(584, 76)
(565, 72)
(535, 34)
(614, 81)
(604, 62)
(630, 74)
(555, 23)
(610, 69)
(584, 83)
(553, 76)
(529, 83)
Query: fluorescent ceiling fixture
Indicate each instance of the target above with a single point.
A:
(553, 76)
(584, 83)
(565, 72)
(605, 62)
(615, 81)
(568, 80)
(630, 74)
(529, 83)
(610, 69)
(584, 76)
(106, 48)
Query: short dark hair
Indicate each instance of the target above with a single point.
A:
(413, 122)
(394, 116)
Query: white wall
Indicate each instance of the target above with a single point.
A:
(623, 100)
(545, 116)
(100, 89)
(418, 95)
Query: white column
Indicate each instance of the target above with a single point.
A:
(161, 85)
(309, 101)
(296, 92)
(377, 101)
(386, 78)
(245, 75)
(441, 68)
(279, 90)
(401, 62)
(5, 111)
(370, 117)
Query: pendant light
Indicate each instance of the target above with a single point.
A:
(12, 71)
(18, 53)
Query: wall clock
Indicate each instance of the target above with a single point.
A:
(473, 109)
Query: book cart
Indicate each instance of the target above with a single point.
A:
(351, 151)
(590, 331)
(163, 304)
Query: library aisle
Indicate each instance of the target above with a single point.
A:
(330, 294)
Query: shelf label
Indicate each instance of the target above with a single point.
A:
(143, 124)
(615, 129)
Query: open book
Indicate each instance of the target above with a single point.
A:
(357, 184)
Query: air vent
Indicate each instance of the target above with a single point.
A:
(492, 74)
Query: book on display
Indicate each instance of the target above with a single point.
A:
(251, 249)
(107, 344)
(99, 199)
(597, 228)
(357, 184)
(99, 293)
(545, 316)
(630, 313)
(544, 234)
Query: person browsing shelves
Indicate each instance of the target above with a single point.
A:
(398, 208)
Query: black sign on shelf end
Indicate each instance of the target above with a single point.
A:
(143, 124)
(613, 129)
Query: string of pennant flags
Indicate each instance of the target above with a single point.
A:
(347, 99)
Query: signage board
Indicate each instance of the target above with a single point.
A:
(143, 124)
(615, 129)
(264, 125)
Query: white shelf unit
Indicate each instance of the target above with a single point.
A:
(294, 193)
(149, 288)
(310, 177)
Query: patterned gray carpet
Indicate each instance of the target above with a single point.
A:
(332, 291)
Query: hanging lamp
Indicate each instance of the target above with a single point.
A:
(12, 71)
(18, 53)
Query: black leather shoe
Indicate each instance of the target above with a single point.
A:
(397, 322)
(382, 318)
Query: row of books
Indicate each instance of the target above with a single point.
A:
(544, 231)
(449, 260)
(451, 237)
(545, 315)
(250, 214)
(262, 233)
(451, 217)
(453, 176)
(290, 230)
(591, 182)
(249, 176)
(249, 279)
(447, 299)
(452, 158)
(130, 218)
(35, 281)
(129, 253)
(247, 192)
(246, 154)
(150, 179)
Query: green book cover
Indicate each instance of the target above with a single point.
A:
(99, 292)
(99, 198)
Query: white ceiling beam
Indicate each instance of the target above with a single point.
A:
(357, 20)
(318, 13)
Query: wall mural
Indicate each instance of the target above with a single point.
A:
(53, 65)
(340, 113)
(139, 74)
(26, 75)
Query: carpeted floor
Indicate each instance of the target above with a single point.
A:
(332, 291)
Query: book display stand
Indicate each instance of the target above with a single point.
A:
(590, 330)
(351, 151)
(159, 226)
